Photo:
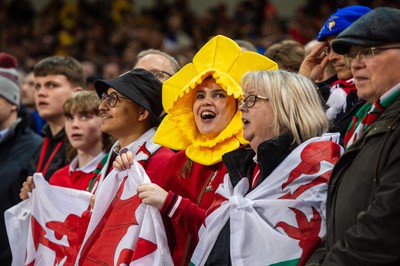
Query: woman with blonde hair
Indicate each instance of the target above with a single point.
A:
(270, 207)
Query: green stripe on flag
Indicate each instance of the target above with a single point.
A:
(282, 263)
(286, 263)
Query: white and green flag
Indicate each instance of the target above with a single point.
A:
(282, 220)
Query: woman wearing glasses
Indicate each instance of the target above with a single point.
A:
(203, 121)
(270, 208)
(130, 108)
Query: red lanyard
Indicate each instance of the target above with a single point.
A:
(42, 154)
(256, 176)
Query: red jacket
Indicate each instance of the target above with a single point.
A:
(198, 189)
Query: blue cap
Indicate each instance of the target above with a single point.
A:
(340, 20)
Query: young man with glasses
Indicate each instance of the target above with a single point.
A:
(363, 211)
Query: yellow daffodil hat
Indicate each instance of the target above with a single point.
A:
(222, 59)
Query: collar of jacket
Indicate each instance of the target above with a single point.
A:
(46, 132)
(270, 154)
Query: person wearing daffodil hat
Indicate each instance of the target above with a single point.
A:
(204, 123)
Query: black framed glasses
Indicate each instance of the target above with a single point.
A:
(160, 74)
(112, 98)
(367, 53)
(251, 100)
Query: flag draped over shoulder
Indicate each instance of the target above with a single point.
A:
(123, 230)
(48, 228)
(56, 226)
(282, 220)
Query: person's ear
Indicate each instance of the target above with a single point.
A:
(143, 114)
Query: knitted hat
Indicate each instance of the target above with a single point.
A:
(9, 88)
(378, 27)
(340, 20)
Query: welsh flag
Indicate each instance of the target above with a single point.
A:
(122, 230)
(282, 220)
(56, 226)
(48, 228)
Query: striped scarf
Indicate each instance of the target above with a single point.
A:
(368, 114)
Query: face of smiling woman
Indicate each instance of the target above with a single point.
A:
(213, 109)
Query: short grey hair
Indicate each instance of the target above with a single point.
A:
(174, 63)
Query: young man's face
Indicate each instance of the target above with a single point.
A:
(51, 93)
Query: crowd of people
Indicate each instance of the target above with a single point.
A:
(286, 153)
(107, 35)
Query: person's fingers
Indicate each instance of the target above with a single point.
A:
(27, 187)
(125, 161)
(92, 201)
(23, 195)
(152, 194)
(143, 187)
(118, 164)
(324, 62)
(318, 49)
(130, 156)
(30, 182)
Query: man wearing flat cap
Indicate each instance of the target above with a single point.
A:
(363, 210)
(130, 111)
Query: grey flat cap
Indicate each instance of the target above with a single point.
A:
(378, 27)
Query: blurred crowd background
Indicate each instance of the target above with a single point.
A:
(107, 35)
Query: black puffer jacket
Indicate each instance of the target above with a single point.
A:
(16, 149)
(60, 158)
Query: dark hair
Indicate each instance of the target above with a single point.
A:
(186, 170)
(61, 65)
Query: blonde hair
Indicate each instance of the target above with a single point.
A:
(296, 104)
